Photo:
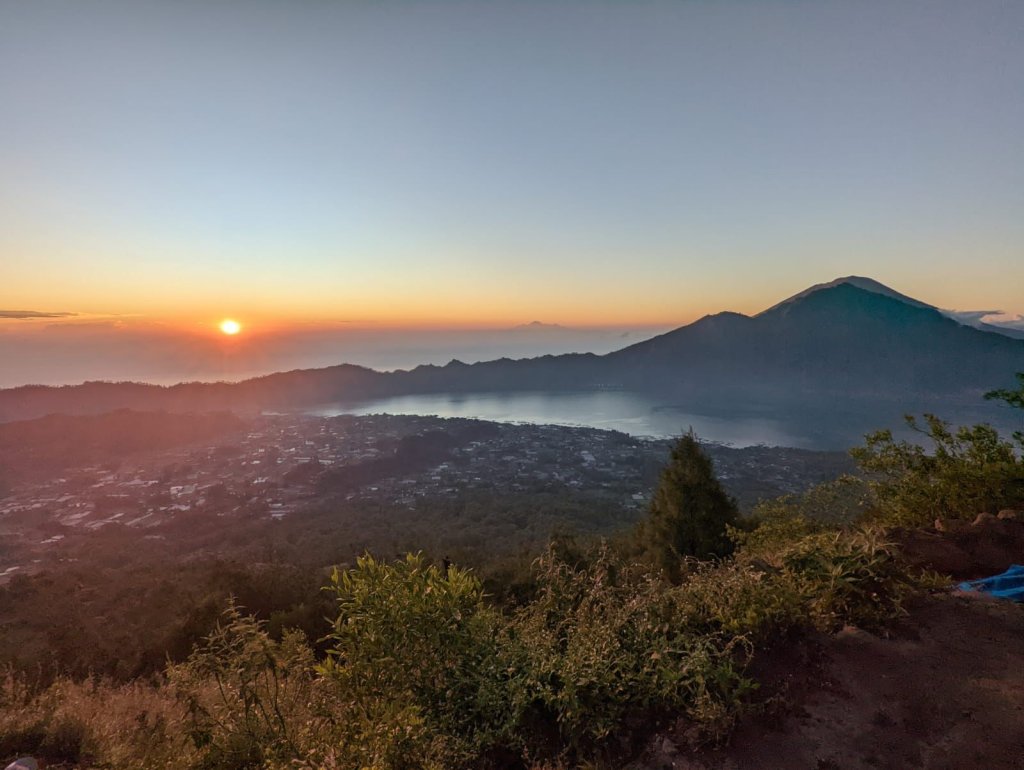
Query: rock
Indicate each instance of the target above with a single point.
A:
(662, 753)
(1009, 513)
(853, 634)
(938, 551)
(983, 518)
(24, 763)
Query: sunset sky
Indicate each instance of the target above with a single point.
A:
(308, 166)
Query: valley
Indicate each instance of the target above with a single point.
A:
(293, 472)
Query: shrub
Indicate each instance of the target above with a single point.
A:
(845, 577)
(838, 502)
(809, 577)
(968, 470)
(418, 655)
(743, 599)
(423, 673)
(249, 698)
(603, 646)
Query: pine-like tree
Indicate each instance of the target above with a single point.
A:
(689, 511)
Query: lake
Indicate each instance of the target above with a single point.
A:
(638, 414)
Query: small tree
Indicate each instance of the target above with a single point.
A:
(690, 511)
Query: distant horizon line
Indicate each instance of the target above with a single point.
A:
(271, 324)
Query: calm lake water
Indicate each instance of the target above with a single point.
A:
(634, 413)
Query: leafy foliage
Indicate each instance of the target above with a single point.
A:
(1013, 398)
(415, 648)
(604, 644)
(786, 519)
(247, 695)
(423, 672)
(844, 577)
(967, 471)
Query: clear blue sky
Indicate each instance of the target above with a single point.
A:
(487, 162)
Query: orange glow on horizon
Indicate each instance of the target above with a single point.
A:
(201, 319)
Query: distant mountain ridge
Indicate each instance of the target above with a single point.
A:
(538, 326)
(852, 338)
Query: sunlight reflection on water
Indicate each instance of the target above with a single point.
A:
(634, 413)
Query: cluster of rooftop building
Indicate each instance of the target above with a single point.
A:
(273, 467)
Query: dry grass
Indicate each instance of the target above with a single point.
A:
(136, 726)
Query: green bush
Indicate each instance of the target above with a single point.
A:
(846, 577)
(741, 599)
(447, 680)
(838, 502)
(800, 575)
(603, 646)
(424, 673)
(967, 471)
(420, 657)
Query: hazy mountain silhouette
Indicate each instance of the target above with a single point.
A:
(840, 339)
(861, 282)
(849, 339)
(869, 284)
(539, 326)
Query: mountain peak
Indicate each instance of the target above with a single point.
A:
(857, 281)
(973, 319)
(534, 326)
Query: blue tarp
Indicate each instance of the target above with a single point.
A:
(1009, 585)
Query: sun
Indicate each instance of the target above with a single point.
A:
(230, 327)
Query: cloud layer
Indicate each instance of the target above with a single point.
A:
(32, 314)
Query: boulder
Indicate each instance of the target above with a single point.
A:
(23, 763)
(854, 635)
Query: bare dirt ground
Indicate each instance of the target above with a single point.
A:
(948, 695)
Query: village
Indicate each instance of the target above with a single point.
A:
(280, 464)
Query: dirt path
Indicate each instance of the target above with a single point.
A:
(945, 693)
